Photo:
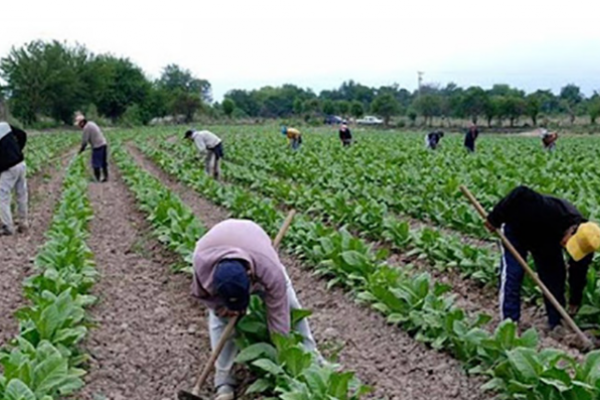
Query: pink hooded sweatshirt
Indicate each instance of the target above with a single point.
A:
(247, 241)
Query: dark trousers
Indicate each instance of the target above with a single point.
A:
(550, 267)
(100, 162)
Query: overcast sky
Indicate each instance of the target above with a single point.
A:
(319, 43)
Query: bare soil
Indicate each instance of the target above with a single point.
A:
(389, 360)
(18, 252)
(151, 336)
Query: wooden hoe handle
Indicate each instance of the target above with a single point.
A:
(586, 341)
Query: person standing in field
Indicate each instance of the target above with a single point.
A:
(234, 259)
(432, 139)
(345, 134)
(93, 136)
(209, 143)
(548, 139)
(471, 137)
(543, 225)
(294, 136)
(12, 177)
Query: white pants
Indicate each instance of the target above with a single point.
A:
(13, 178)
(224, 363)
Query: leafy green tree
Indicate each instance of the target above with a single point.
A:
(45, 78)
(186, 104)
(356, 109)
(533, 107)
(594, 108)
(228, 107)
(298, 106)
(343, 107)
(386, 106)
(115, 84)
(428, 106)
(570, 98)
(473, 102)
(176, 79)
(328, 107)
(491, 109)
(512, 107)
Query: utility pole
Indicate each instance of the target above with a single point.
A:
(420, 80)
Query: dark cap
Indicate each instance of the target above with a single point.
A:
(188, 134)
(232, 284)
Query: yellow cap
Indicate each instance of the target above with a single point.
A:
(585, 241)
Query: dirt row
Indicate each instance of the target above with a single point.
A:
(18, 252)
(383, 356)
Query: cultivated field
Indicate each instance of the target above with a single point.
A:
(394, 264)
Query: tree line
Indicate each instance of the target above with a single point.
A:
(53, 80)
(500, 105)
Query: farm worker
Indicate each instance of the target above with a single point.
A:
(470, 137)
(345, 134)
(294, 136)
(232, 260)
(548, 139)
(93, 136)
(432, 139)
(12, 177)
(543, 225)
(209, 143)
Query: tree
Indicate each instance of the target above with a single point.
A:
(356, 109)
(115, 84)
(533, 107)
(473, 102)
(512, 107)
(45, 78)
(343, 107)
(298, 106)
(491, 109)
(228, 107)
(174, 78)
(386, 106)
(594, 108)
(186, 104)
(328, 107)
(428, 106)
(570, 97)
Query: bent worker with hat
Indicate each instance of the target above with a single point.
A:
(294, 136)
(93, 136)
(231, 261)
(543, 225)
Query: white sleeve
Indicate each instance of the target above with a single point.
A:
(200, 143)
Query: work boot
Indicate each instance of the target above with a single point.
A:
(225, 392)
(97, 174)
(23, 227)
(6, 231)
(105, 173)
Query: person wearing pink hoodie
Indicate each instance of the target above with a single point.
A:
(231, 261)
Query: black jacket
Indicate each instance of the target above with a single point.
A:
(11, 148)
(536, 220)
(345, 134)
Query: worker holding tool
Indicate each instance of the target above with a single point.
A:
(232, 261)
(470, 138)
(93, 136)
(433, 139)
(294, 136)
(209, 143)
(548, 139)
(543, 225)
(12, 177)
(345, 135)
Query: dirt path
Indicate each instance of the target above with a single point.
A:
(151, 336)
(384, 357)
(17, 252)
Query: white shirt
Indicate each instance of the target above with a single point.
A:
(205, 140)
